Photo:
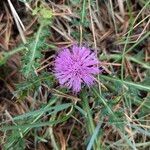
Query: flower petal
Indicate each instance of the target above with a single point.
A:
(76, 84)
(75, 66)
(88, 80)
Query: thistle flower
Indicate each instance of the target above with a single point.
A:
(76, 66)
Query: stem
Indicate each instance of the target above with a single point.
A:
(16, 51)
(89, 121)
(82, 20)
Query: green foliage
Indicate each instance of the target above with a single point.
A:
(14, 141)
(36, 44)
(94, 136)
(90, 122)
(38, 117)
(32, 84)
(43, 110)
(32, 57)
(75, 2)
(3, 58)
(45, 14)
(32, 119)
(122, 106)
(25, 1)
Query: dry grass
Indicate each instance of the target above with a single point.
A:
(118, 104)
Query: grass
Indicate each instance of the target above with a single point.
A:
(36, 113)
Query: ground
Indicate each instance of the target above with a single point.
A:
(36, 112)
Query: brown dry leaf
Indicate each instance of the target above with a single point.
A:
(62, 140)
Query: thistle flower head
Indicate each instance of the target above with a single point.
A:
(76, 66)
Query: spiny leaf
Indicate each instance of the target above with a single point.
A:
(33, 53)
(35, 45)
(33, 84)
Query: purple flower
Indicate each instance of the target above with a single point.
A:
(75, 66)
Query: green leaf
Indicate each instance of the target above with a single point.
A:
(34, 125)
(94, 136)
(14, 141)
(33, 84)
(51, 110)
(128, 83)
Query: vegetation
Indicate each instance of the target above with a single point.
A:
(37, 113)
